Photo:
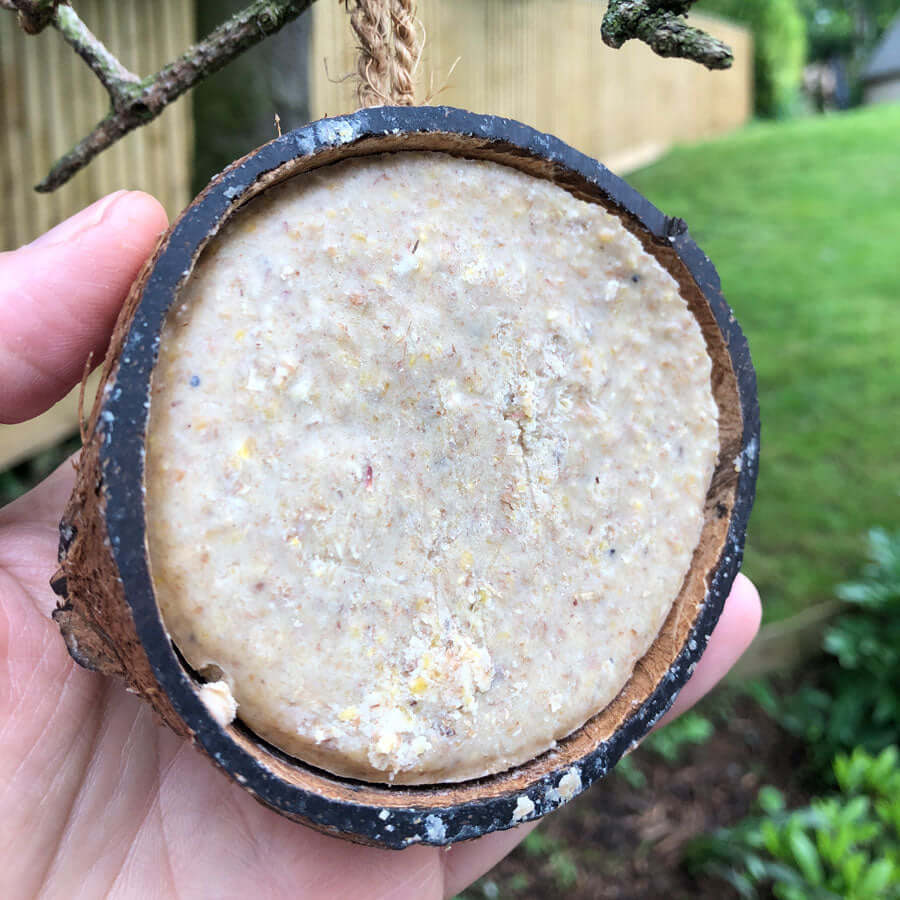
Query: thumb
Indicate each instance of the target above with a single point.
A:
(59, 297)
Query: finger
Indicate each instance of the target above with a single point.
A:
(465, 862)
(60, 296)
(733, 634)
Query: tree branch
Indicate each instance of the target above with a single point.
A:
(135, 101)
(661, 25)
(119, 82)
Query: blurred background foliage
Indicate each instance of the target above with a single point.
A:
(792, 34)
(780, 48)
(233, 110)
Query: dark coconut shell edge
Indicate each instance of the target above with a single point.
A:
(107, 610)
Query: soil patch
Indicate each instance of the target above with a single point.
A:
(619, 840)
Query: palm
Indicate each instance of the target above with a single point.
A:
(103, 797)
(98, 796)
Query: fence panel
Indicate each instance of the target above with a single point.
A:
(543, 62)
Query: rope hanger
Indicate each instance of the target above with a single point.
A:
(389, 47)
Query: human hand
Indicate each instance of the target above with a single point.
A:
(99, 800)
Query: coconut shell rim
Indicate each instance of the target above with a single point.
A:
(421, 816)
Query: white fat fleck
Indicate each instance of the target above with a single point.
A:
(570, 784)
(408, 263)
(747, 456)
(304, 143)
(219, 702)
(524, 808)
(256, 383)
(435, 829)
(301, 388)
(333, 132)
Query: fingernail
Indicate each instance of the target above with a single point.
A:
(83, 221)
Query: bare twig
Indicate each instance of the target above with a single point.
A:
(661, 25)
(135, 101)
(120, 84)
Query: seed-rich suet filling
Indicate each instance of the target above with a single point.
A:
(429, 445)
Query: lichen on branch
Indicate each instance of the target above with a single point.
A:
(662, 25)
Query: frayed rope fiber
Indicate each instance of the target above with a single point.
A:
(389, 50)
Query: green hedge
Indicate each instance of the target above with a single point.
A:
(779, 39)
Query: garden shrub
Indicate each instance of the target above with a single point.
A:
(842, 846)
(779, 48)
(688, 729)
(857, 701)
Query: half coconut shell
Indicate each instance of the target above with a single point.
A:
(108, 613)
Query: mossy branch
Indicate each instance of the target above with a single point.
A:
(662, 26)
(134, 101)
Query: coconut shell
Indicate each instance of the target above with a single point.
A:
(108, 614)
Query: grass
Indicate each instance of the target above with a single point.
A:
(802, 220)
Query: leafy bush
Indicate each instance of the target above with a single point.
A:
(849, 30)
(779, 48)
(554, 855)
(671, 742)
(842, 846)
(857, 702)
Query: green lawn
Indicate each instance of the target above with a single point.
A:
(802, 220)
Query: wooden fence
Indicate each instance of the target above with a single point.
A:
(49, 99)
(543, 62)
